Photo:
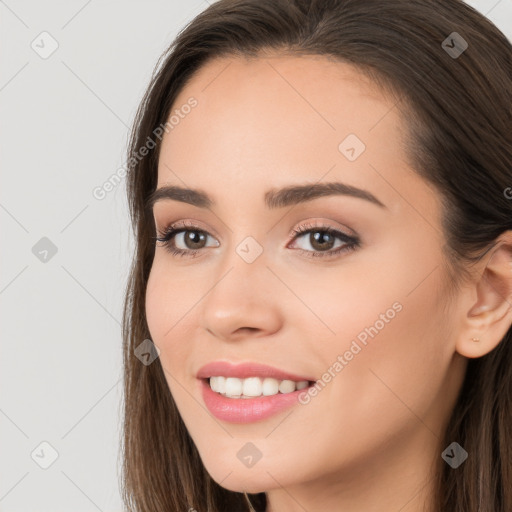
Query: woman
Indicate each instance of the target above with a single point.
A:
(321, 199)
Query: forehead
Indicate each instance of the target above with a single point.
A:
(311, 73)
(269, 118)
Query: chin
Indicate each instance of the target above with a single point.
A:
(251, 480)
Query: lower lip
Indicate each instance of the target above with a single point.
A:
(246, 410)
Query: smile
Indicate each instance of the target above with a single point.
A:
(248, 392)
(251, 387)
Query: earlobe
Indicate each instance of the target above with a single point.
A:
(490, 316)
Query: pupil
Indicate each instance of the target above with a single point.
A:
(321, 240)
(195, 237)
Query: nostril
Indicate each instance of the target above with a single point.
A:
(250, 329)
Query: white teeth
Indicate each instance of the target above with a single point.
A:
(250, 387)
(270, 387)
(218, 384)
(287, 386)
(233, 387)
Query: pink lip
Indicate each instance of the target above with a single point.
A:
(245, 370)
(246, 410)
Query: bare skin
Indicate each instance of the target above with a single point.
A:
(370, 439)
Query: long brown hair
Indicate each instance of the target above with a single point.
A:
(459, 118)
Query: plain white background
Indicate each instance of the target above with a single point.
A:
(64, 128)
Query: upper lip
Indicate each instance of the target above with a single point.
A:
(244, 370)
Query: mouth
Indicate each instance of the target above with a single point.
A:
(254, 387)
(249, 392)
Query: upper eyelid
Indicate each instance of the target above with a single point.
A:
(185, 225)
(315, 223)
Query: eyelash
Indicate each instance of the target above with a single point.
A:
(351, 243)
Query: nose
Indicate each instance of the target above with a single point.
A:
(243, 302)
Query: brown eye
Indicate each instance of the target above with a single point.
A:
(321, 240)
(193, 239)
(182, 241)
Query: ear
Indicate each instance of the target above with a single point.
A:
(488, 306)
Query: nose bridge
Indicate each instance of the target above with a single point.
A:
(242, 274)
(240, 297)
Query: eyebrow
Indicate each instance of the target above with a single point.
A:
(274, 198)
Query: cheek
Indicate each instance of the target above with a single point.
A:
(174, 297)
(156, 305)
(391, 334)
(167, 302)
(170, 294)
(366, 300)
(398, 374)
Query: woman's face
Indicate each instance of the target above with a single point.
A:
(363, 309)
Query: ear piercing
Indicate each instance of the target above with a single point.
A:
(475, 339)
